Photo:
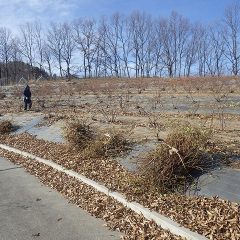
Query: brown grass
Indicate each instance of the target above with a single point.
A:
(173, 163)
(2, 95)
(79, 134)
(5, 127)
(93, 144)
(108, 145)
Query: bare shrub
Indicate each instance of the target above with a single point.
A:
(107, 108)
(17, 91)
(93, 144)
(107, 145)
(79, 134)
(2, 95)
(172, 164)
(5, 127)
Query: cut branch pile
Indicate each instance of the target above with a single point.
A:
(2, 95)
(107, 145)
(81, 136)
(5, 127)
(173, 163)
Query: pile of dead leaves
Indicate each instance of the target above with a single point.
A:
(235, 164)
(78, 133)
(107, 145)
(172, 164)
(214, 218)
(5, 127)
(2, 95)
(93, 144)
(117, 217)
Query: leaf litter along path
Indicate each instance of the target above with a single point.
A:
(117, 217)
(29, 209)
(214, 218)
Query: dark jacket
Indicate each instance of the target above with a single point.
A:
(27, 93)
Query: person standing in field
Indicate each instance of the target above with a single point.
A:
(27, 98)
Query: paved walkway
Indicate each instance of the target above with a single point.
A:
(29, 210)
(28, 122)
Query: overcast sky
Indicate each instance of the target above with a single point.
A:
(16, 12)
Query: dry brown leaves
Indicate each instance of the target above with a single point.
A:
(171, 164)
(235, 164)
(107, 146)
(95, 144)
(2, 95)
(5, 127)
(214, 218)
(78, 133)
(117, 217)
(51, 118)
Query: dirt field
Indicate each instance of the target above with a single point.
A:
(146, 111)
(145, 107)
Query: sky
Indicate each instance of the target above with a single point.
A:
(16, 12)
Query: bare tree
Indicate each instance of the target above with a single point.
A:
(112, 47)
(190, 53)
(55, 41)
(152, 52)
(38, 35)
(47, 57)
(16, 57)
(168, 55)
(141, 28)
(134, 45)
(202, 48)
(28, 44)
(232, 35)
(101, 67)
(85, 37)
(215, 57)
(180, 30)
(6, 49)
(125, 45)
(158, 49)
(68, 47)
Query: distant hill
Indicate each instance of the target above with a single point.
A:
(15, 70)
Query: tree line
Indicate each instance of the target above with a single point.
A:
(136, 45)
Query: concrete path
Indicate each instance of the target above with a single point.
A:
(130, 161)
(224, 183)
(29, 210)
(28, 122)
(53, 133)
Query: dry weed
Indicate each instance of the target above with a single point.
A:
(79, 134)
(5, 127)
(2, 95)
(95, 144)
(173, 163)
(111, 144)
